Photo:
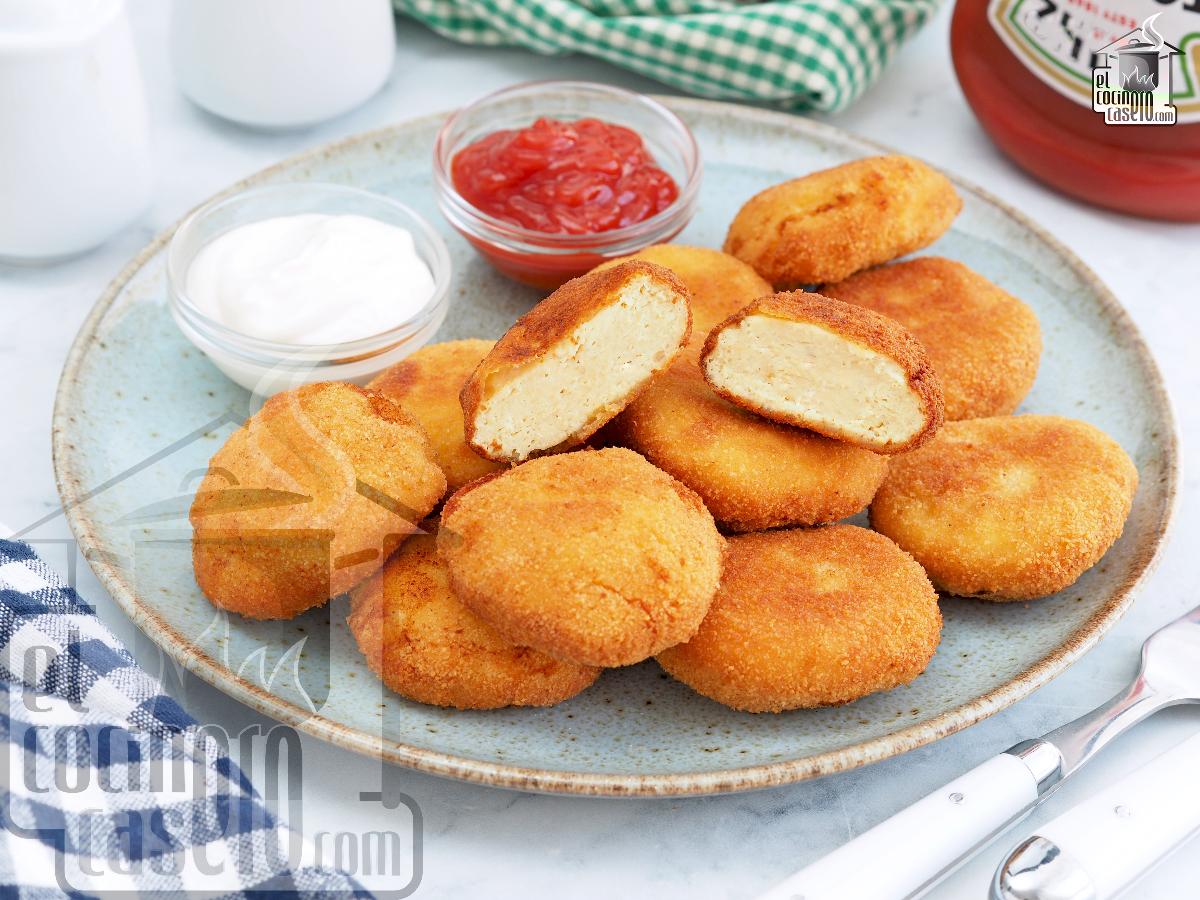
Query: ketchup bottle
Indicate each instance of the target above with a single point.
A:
(1097, 98)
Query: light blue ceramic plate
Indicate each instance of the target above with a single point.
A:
(140, 412)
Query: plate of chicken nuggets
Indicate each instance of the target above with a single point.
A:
(861, 458)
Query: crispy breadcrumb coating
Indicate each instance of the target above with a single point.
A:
(984, 343)
(595, 556)
(720, 284)
(810, 617)
(828, 225)
(427, 385)
(308, 498)
(751, 473)
(1008, 508)
(427, 646)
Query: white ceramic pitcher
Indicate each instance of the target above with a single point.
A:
(281, 63)
(75, 162)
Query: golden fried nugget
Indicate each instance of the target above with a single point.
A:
(833, 223)
(427, 385)
(984, 343)
(595, 556)
(425, 645)
(573, 361)
(810, 617)
(751, 473)
(835, 368)
(1008, 508)
(308, 498)
(720, 284)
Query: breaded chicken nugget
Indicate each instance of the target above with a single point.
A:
(425, 645)
(837, 369)
(595, 557)
(427, 385)
(308, 498)
(573, 361)
(720, 284)
(751, 473)
(984, 343)
(1008, 508)
(811, 617)
(833, 223)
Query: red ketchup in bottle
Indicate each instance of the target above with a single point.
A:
(1097, 98)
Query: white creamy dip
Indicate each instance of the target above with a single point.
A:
(311, 278)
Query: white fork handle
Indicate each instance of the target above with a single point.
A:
(904, 854)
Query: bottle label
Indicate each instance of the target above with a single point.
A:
(1134, 61)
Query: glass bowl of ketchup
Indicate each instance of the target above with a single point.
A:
(546, 180)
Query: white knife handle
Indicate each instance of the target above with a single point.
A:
(1118, 834)
(903, 854)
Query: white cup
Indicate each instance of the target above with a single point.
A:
(281, 63)
(74, 150)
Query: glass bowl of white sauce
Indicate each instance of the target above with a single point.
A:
(290, 284)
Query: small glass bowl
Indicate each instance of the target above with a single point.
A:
(547, 260)
(266, 367)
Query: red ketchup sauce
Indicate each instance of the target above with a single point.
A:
(561, 178)
(1010, 55)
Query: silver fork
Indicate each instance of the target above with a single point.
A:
(909, 853)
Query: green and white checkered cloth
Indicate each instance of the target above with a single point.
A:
(815, 54)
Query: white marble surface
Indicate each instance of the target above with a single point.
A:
(482, 841)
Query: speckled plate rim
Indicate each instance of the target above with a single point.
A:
(67, 465)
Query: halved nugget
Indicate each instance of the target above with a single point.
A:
(984, 343)
(425, 645)
(752, 473)
(595, 557)
(810, 617)
(719, 284)
(575, 360)
(834, 368)
(427, 384)
(308, 498)
(833, 223)
(1008, 508)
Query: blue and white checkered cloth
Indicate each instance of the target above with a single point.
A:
(109, 786)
